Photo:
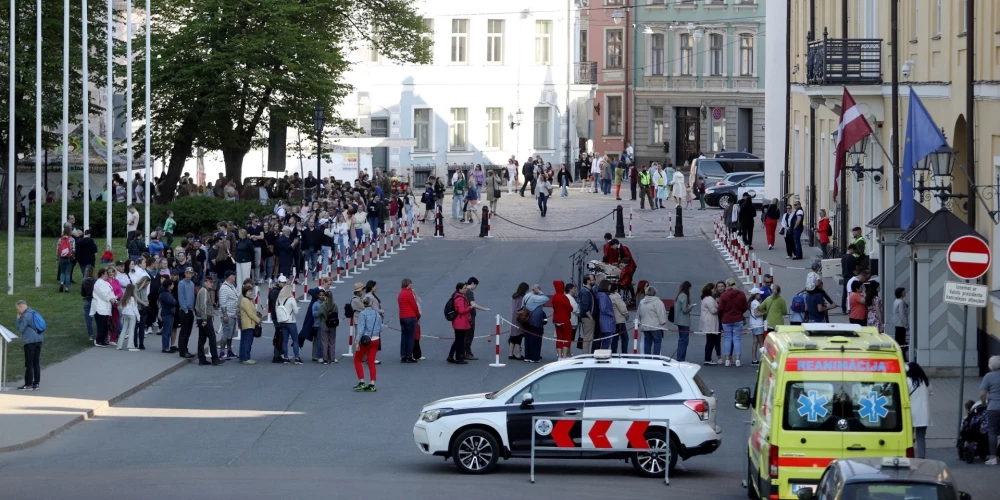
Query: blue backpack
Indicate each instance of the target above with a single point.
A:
(38, 322)
(799, 303)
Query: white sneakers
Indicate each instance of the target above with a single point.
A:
(737, 362)
(992, 461)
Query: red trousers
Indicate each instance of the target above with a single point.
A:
(769, 227)
(618, 191)
(370, 350)
(564, 335)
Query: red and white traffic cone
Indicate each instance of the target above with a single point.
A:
(497, 363)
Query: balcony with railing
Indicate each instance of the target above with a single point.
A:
(585, 73)
(844, 61)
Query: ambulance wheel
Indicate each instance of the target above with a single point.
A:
(751, 483)
(650, 463)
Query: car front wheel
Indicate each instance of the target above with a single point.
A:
(475, 451)
(650, 463)
(726, 200)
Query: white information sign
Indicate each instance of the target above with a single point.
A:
(965, 294)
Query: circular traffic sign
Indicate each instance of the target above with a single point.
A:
(969, 257)
(717, 113)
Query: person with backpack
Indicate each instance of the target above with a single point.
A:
(459, 312)
(31, 326)
(797, 309)
(409, 313)
(369, 333)
(534, 303)
(329, 321)
(773, 309)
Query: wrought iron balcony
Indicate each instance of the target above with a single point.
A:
(586, 73)
(844, 61)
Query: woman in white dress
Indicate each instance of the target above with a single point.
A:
(680, 190)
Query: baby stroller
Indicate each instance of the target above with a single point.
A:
(973, 440)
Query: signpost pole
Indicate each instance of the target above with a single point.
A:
(961, 376)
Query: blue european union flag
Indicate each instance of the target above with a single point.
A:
(922, 139)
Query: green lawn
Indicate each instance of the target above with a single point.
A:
(63, 312)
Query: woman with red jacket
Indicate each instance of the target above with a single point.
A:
(409, 313)
(462, 324)
(824, 230)
(562, 311)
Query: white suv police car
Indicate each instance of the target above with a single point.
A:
(477, 430)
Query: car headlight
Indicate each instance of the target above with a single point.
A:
(432, 415)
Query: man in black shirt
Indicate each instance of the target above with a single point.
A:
(255, 231)
(528, 173)
(86, 251)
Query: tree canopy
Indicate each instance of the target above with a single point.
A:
(223, 69)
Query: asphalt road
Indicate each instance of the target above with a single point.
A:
(273, 431)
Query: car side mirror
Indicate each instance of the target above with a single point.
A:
(526, 401)
(964, 496)
(743, 399)
(805, 494)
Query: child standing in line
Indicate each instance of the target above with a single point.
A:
(108, 256)
(168, 229)
(130, 313)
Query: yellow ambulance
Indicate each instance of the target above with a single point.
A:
(824, 391)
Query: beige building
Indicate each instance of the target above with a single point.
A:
(932, 60)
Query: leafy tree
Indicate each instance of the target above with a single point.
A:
(225, 68)
(52, 69)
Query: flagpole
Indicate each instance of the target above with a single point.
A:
(85, 76)
(65, 137)
(149, 15)
(128, 102)
(884, 152)
(109, 133)
(11, 160)
(40, 193)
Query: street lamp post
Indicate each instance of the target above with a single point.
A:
(318, 122)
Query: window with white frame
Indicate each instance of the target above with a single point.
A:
(494, 128)
(614, 2)
(422, 129)
(494, 41)
(656, 47)
(458, 129)
(614, 116)
(543, 124)
(543, 42)
(657, 125)
(687, 54)
(459, 40)
(716, 43)
(429, 24)
(584, 52)
(746, 54)
(614, 53)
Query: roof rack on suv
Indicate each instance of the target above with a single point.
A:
(606, 354)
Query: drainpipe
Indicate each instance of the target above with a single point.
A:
(788, 92)
(970, 106)
(569, 82)
(811, 195)
(894, 63)
(628, 116)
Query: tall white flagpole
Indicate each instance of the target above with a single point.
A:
(149, 14)
(65, 138)
(110, 112)
(39, 189)
(128, 101)
(11, 161)
(85, 72)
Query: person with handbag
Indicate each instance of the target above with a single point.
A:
(249, 324)
(516, 336)
(461, 322)
(492, 186)
(369, 332)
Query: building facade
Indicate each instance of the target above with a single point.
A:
(699, 78)
(503, 82)
(609, 42)
(829, 54)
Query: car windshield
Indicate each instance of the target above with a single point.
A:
(843, 406)
(506, 390)
(896, 491)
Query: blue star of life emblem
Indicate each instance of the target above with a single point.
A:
(873, 407)
(813, 406)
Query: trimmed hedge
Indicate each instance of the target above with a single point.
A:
(195, 214)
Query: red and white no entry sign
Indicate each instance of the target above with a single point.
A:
(969, 257)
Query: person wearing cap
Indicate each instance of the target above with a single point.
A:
(229, 307)
(858, 241)
(357, 301)
(206, 328)
(185, 316)
(756, 324)
(732, 306)
(370, 325)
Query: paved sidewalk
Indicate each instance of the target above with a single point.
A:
(78, 389)
(791, 275)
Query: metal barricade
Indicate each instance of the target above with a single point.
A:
(597, 439)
